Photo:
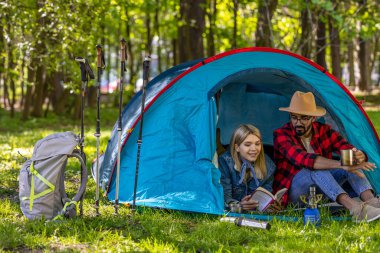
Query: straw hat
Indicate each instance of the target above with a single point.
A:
(304, 104)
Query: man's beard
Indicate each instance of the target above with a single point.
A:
(300, 130)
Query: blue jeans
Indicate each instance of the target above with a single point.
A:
(328, 182)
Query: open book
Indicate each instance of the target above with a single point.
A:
(266, 198)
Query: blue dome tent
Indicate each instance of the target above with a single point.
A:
(185, 106)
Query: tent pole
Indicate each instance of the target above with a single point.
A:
(119, 128)
(139, 140)
(101, 66)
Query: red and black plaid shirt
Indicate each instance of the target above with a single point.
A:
(290, 155)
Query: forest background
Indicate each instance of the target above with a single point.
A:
(41, 38)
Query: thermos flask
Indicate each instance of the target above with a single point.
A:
(311, 215)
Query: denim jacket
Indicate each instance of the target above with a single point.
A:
(233, 191)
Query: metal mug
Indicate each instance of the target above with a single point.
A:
(347, 157)
(235, 207)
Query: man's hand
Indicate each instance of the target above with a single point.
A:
(357, 167)
(248, 204)
(359, 156)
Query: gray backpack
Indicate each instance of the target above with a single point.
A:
(41, 181)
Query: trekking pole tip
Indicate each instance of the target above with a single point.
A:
(80, 59)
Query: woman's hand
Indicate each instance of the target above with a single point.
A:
(357, 167)
(248, 204)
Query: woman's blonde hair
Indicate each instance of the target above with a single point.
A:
(239, 135)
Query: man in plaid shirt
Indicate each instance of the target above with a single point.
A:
(303, 156)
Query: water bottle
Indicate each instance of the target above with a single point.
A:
(311, 215)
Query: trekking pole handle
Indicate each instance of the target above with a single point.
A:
(146, 64)
(82, 63)
(85, 69)
(101, 63)
(123, 51)
(99, 56)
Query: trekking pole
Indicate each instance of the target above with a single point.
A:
(86, 72)
(139, 140)
(119, 128)
(101, 65)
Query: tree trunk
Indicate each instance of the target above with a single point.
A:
(118, 67)
(190, 39)
(378, 71)
(234, 35)
(351, 64)
(350, 52)
(183, 33)
(131, 58)
(364, 55)
(335, 46)
(13, 100)
(148, 47)
(321, 43)
(264, 36)
(306, 37)
(175, 51)
(39, 91)
(5, 93)
(92, 89)
(375, 50)
(22, 77)
(2, 60)
(41, 68)
(118, 73)
(28, 102)
(77, 106)
(13, 89)
(11, 67)
(157, 32)
(91, 94)
(109, 67)
(47, 106)
(58, 97)
(29, 90)
(7, 77)
(210, 36)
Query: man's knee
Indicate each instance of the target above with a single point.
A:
(324, 180)
(320, 174)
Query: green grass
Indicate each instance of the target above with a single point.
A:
(147, 230)
(375, 119)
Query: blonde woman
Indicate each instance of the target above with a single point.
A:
(245, 167)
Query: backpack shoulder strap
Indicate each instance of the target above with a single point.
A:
(70, 206)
